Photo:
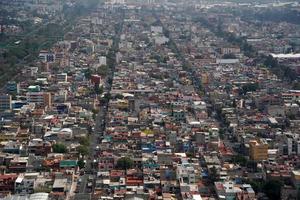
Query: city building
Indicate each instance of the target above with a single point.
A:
(258, 150)
(5, 102)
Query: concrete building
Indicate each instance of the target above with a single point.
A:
(12, 87)
(24, 184)
(258, 150)
(102, 60)
(291, 96)
(5, 102)
(39, 98)
(230, 190)
(62, 77)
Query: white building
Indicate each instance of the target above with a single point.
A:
(63, 77)
(186, 174)
(156, 29)
(102, 60)
(159, 40)
(229, 190)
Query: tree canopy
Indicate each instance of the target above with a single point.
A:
(81, 164)
(59, 148)
(83, 150)
(124, 163)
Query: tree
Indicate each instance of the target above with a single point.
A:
(256, 185)
(124, 163)
(106, 97)
(239, 159)
(85, 141)
(251, 164)
(81, 164)
(88, 73)
(189, 154)
(110, 80)
(102, 70)
(272, 189)
(95, 112)
(83, 150)
(249, 87)
(98, 90)
(281, 70)
(213, 174)
(222, 132)
(59, 148)
(119, 96)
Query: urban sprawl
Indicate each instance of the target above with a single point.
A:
(146, 100)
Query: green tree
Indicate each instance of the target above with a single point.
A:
(256, 185)
(85, 141)
(272, 189)
(83, 150)
(251, 164)
(88, 73)
(213, 174)
(81, 163)
(102, 70)
(119, 96)
(95, 112)
(190, 154)
(124, 163)
(98, 90)
(106, 97)
(239, 159)
(270, 62)
(59, 148)
(249, 87)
